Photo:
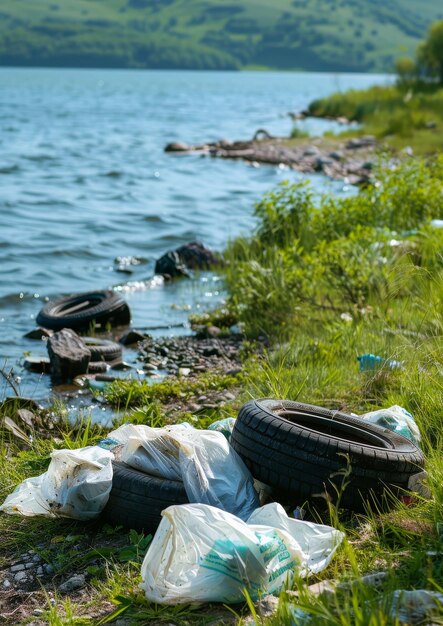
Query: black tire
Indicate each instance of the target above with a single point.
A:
(103, 349)
(298, 448)
(80, 311)
(137, 499)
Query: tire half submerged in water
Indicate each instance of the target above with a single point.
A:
(298, 449)
(137, 499)
(80, 311)
(103, 349)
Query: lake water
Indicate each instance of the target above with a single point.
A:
(84, 180)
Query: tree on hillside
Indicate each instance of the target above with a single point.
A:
(430, 53)
(406, 71)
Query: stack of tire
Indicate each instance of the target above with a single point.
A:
(82, 311)
(301, 451)
(305, 452)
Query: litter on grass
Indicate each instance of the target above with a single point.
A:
(211, 471)
(76, 484)
(397, 419)
(202, 554)
(372, 362)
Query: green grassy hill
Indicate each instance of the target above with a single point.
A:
(338, 35)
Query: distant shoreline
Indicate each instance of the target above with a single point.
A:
(254, 70)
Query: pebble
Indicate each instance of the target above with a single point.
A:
(75, 582)
(18, 568)
(20, 577)
(48, 569)
(6, 583)
(233, 371)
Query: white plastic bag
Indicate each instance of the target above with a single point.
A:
(211, 471)
(76, 484)
(317, 541)
(202, 554)
(397, 419)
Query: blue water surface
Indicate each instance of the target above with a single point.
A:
(84, 180)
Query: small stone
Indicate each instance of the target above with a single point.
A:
(184, 371)
(48, 569)
(131, 337)
(229, 395)
(38, 333)
(177, 146)
(75, 582)
(311, 151)
(38, 364)
(213, 331)
(267, 606)
(336, 155)
(194, 408)
(200, 368)
(36, 559)
(18, 568)
(20, 577)
(7, 583)
(40, 571)
(120, 365)
(149, 367)
(29, 565)
(233, 371)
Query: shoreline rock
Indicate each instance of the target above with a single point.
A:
(350, 160)
(190, 256)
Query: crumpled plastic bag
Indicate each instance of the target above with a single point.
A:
(225, 426)
(211, 471)
(76, 484)
(202, 554)
(396, 419)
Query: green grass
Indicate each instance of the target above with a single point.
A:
(399, 116)
(325, 35)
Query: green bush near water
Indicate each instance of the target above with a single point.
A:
(341, 254)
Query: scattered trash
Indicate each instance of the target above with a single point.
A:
(202, 554)
(225, 426)
(397, 419)
(412, 607)
(76, 484)
(212, 472)
(371, 362)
